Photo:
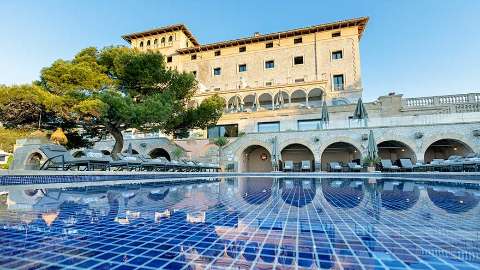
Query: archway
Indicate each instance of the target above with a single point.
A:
(444, 148)
(78, 154)
(234, 104)
(106, 152)
(315, 97)
(395, 150)
(341, 152)
(256, 158)
(297, 153)
(265, 101)
(299, 97)
(34, 161)
(248, 101)
(280, 97)
(134, 152)
(159, 152)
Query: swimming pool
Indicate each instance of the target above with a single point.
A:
(245, 223)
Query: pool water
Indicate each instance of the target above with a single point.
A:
(243, 223)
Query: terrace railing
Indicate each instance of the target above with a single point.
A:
(452, 103)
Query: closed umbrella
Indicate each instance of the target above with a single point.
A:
(129, 149)
(325, 117)
(360, 112)
(372, 150)
(255, 102)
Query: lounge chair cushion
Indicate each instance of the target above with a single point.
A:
(94, 155)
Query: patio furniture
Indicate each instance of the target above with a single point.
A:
(407, 165)
(306, 165)
(59, 158)
(388, 166)
(354, 167)
(154, 164)
(288, 166)
(335, 167)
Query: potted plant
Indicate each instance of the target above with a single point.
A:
(370, 163)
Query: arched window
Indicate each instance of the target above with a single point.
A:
(148, 42)
(170, 39)
(163, 40)
(141, 44)
(155, 42)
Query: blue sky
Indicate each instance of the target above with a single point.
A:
(416, 48)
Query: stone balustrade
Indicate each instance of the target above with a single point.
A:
(455, 103)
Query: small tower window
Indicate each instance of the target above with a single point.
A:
(155, 42)
(170, 39)
(148, 42)
(141, 44)
(163, 40)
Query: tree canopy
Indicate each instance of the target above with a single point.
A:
(106, 91)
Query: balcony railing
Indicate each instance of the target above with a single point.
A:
(455, 103)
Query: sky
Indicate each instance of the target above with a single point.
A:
(416, 48)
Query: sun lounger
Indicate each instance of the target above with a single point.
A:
(59, 158)
(354, 167)
(288, 166)
(335, 167)
(407, 165)
(388, 166)
(306, 165)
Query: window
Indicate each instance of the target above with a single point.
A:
(337, 55)
(141, 44)
(2, 158)
(163, 40)
(193, 57)
(336, 34)
(297, 40)
(216, 89)
(155, 42)
(338, 82)
(242, 68)
(299, 80)
(169, 59)
(218, 53)
(269, 45)
(223, 131)
(268, 126)
(170, 39)
(310, 124)
(268, 83)
(148, 42)
(298, 60)
(269, 64)
(194, 73)
(242, 49)
(217, 71)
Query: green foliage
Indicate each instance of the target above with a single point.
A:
(8, 164)
(220, 141)
(108, 91)
(8, 137)
(371, 161)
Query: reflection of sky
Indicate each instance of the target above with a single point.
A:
(244, 222)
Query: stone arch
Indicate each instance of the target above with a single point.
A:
(286, 98)
(299, 97)
(159, 152)
(444, 148)
(234, 104)
(248, 101)
(79, 153)
(265, 101)
(134, 151)
(342, 151)
(395, 150)
(308, 144)
(297, 153)
(249, 157)
(33, 161)
(315, 97)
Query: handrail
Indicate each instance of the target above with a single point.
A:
(50, 159)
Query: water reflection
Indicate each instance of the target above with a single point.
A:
(244, 222)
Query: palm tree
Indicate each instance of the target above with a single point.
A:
(220, 142)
